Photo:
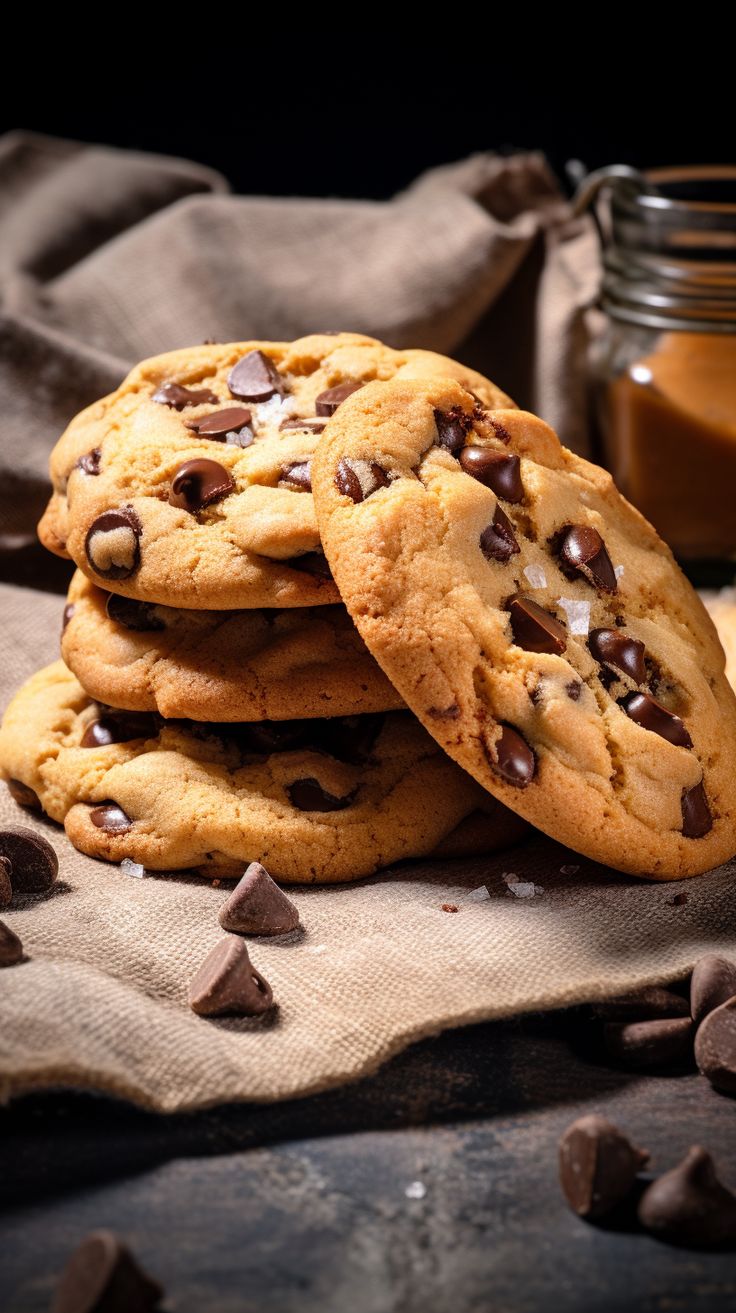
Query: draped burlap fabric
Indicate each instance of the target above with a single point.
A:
(106, 257)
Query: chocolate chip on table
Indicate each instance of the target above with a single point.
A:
(498, 542)
(615, 649)
(327, 402)
(24, 795)
(309, 796)
(197, 483)
(715, 1047)
(309, 424)
(178, 397)
(663, 1042)
(257, 906)
(34, 865)
(511, 757)
(582, 549)
(6, 888)
(453, 427)
(297, 476)
(314, 563)
(496, 470)
(689, 1205)
(696, 815)
(66, 616)
(644, 710)
(112, 545)
(138, 616)
(111, 818)
(359, 479)
(231, 425)
(102, 1276)
(11, 948)
(227, 983)
(644, 1005)
(254, 378)
(535, 629)
(598, 1166)
(90, 463)
(118, 727)
(713, 982)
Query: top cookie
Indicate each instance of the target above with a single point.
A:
(534, 622)
(190, 485)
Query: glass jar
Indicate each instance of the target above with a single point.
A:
(664, 368)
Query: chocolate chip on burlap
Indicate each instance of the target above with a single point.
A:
(198, 483)
(257, 906)
(689, 1205)
(11, 949)
(254, 378)
(102, 1276)
(715, 1047)
(228, 984)
(34, 865)
(6, 888)
(24, 795)
(713, 982)
(645, 1005)
(598, 1166)
(666, 1042)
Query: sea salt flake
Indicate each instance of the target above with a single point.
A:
(578, 614)
(478, 895)
(536, 576)
(520, 888)
(618, 570)
(569, 869)
(129, 867)
(415, 1190)
(271, 412)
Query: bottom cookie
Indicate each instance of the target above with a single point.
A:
(318, 800)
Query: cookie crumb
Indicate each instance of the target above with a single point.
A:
(679, 900)
(129, 867)
(450, 907)
(216, 884)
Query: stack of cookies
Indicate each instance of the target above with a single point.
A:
(339, 605)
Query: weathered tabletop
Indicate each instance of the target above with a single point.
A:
(314, 1205)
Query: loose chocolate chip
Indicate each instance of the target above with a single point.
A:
(644, 1005)
(176, 396)
(535, 629)
(297, 476)
(573, 690)
(650, 1044)
(227, 983)
(231, 425)
(696, 815)
(139, 616)
(102, 1276)
(198, 483)
(254, 378)
(453, 427)
(689, 1205)
(112, 544)
(24, 795)
(90, 464)
(309, 796)
(258, 907)
(496, 470)
(598, 1166)
(328, 402)
(111, 818)
(713, 982)
(67, 614)
(615, 649)
(359, 479)
(314, 563)
(309, 425)
(11, 949)
(34, 865)
(680, 900)
(118, 727)
(498, 542)
(511, 757)
(6, 887)
(582, 549)
(644, 710)
(715, 1047)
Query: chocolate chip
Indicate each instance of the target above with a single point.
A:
(176, 396)
(112, 544)
(501, 433)
(511, 757)
(254, 378)
(138, 616)
(24, 795)
(680, 900)
(314, 563)
(582, 549)
(535, 629)
(118, 727)
(308, 425)
(111, 818)
(6, 887)
(650, 1044)
(297, 476)
(615, 649)
(498, 542)
(198, 483)
(715, 1047)
(496, 470)
(11, 948)
(713, 982)
(644, 1005)
(67, 614)
(267, 736)
(348, 738)
(359, 479)
(689, 1205)
(453, 427)
(696, 815)
(644, 710)
(227, 983)
(34, 865)
(102, 1276)
(328, 402)
(574, 689)
(598, 1166)
(309, 796)
(230, 425)
(258, 907)
(90, 464)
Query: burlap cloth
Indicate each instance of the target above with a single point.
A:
(106, 257)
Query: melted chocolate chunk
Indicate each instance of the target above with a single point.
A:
(615, 649)
(535, 629)
(644, 710)
(139, 616)
(118, 727)
(328, 402)
(583, 551)
(111, 818)
(112, 545)
(24, 795)
(198, 483)
(496, 470)
(511, 757)
(297, 476)
(452, 428)
(90, 464)
(254, 378)
(696, 814)
(359, 479)
(231, 425)
(309, 796)
(498, 542)
(309, 425)
(176, 396)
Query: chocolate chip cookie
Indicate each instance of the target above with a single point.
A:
(721, 607)
(534, 622)
(315, 800)
(220, 665)
(190, 485)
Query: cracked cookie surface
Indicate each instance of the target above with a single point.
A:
(534, 622)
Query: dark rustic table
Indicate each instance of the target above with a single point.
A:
(431, 1186)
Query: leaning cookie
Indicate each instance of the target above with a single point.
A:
(534, 622)
(326, 800)
(220, 665)
(190, 485)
